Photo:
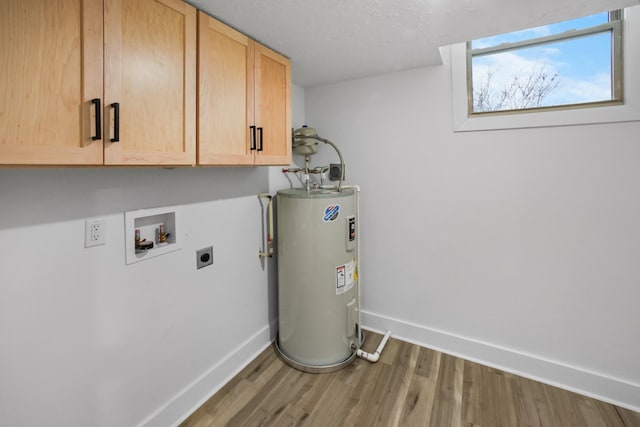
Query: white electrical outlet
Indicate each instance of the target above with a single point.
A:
(95, 232)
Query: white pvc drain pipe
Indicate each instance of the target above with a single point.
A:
(373, 357)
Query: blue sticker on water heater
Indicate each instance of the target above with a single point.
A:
(331, 213)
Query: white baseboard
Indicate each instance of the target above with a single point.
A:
(598, 386)
(184, 403)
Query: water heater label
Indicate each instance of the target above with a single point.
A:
(345, 277)
(331, 213)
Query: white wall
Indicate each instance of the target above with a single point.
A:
(516, 248)
(86, 340)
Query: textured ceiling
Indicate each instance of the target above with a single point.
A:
(334, 40)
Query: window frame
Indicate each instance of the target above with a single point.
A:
(614, 25)
(628, 111)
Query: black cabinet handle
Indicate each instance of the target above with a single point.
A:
(260, 147)
(98, 135)
(116, 122)
(253, 138)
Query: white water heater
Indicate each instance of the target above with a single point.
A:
(317, 278)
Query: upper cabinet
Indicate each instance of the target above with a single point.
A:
(244, 92)
(150, 82)
(51, 61)
(70, 95)
(114, 82)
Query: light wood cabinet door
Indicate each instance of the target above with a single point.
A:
(225, 94)
(272, 94)
(150, 82)
(51, 69)
(244, 92)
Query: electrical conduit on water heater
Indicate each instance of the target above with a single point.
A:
(371, 357)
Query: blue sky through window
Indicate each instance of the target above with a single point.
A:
(582, 64)
(545, 30)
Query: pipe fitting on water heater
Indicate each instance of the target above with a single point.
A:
(305, 142)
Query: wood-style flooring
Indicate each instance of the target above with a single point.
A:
(408, 386)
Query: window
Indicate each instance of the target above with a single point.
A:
(570, 64)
